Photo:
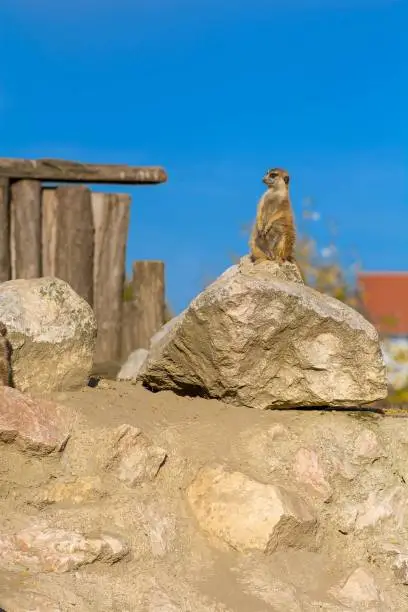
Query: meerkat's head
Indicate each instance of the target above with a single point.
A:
(276, 179)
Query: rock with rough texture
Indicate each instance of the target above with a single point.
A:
(309, 471)
(247, 514)
(359, 589)
(70, 490)
(44, 549)
(35, 425)
(253, 339)
(132, 457)
(133, 364)
(400, 567)
(52, 332)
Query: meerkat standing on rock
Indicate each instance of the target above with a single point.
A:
(273, 235)
(4, 357)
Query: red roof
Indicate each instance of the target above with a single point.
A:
(385, 299)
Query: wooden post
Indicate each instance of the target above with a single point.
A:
(149, 298)
(5, 262)
(128, 331)
(26, 229)
(49, 231)
(111, 220)
(74, 239)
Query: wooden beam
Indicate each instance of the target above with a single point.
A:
(111, 213)
(55, 170)
(149, 300)
(26, 229)
(74, 239)
(5, 262)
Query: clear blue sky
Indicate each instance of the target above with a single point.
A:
(216, 96)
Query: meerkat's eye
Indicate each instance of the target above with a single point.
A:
(273, 174)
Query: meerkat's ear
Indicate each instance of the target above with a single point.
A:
(286, 179)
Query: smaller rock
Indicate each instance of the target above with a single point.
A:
(359, 589)
(247, 514)
(133, 364)
(36, 425)
(161, 529)
(74, 491)
(400, 567)
(40, 548)
(308, 470)
(133, 457)
(367, 448)
(381, 505)
(399, 564)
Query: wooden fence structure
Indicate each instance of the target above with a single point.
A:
(70, 232)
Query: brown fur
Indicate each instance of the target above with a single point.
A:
(4, 357)
(273, 235)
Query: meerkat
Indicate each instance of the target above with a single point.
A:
(273, 235)
(4, 357)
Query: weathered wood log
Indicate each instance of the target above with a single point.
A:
(49, 231)
(128, 331)
(74, 239)
(149, 300)
(76, 172)
(111, 214)
(5, 261)
(25, 242)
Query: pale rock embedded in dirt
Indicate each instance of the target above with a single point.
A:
(131, 368)
(160, 527)
(309, 471)
(41, 548)
(253, 339)
(388, 504)
(359, 589)
(132, 457)
(247, 514)
(367, 448)
(400, 567)
(52, 332)
(71, 490)
(35, 425)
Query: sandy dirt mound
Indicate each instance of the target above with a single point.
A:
(166, 503)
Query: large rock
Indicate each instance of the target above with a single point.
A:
(52, 331)
(250, 515)
(35, 425)
(253, 339)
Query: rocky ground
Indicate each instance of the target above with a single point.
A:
(124, 500)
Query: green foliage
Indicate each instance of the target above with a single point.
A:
(127, 291)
